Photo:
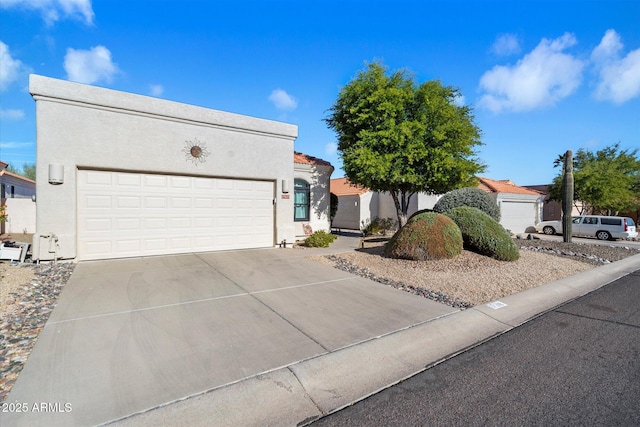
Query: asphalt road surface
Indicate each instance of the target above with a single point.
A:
(576, 365)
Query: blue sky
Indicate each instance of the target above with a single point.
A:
(541, 76)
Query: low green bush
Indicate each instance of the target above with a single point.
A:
(421, 211)
(469, 196)
(378, 226)
(483, 234)
(427, 236)
(320, 239)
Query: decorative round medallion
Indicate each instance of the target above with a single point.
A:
(196, 151)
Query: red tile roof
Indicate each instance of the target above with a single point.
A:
(20, 177)
(306, 159)
(504, 186)
(342, 187)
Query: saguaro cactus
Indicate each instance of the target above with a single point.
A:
(567, 196)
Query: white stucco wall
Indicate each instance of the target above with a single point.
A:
(81, 126)
(318, 177)
(22, 216)
(419, 201)
(348, 214)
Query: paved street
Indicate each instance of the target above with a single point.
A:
(576, 365)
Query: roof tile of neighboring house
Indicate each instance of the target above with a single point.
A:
(342, 187)
(22, 178)
(306, 159)
(504, 186)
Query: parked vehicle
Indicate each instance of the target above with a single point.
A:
(601, 227)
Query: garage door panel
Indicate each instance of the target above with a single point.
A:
(517, 216)
(126, 214)
(128, 180)
(155, 202)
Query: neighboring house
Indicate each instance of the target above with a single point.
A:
(520, 207)
(311, 200)
(16, 192)
(13, 186)
(357, 206)
(123, 175)
(552, 209)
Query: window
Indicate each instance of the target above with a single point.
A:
(301, 200)
(590, 220)
(611, 221)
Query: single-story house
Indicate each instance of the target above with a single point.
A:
(16, 193)
(552, 209)
(13, 186)
(357, 206)
(124, 175)
(311, 200)
(520, 207)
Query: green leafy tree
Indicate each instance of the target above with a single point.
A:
(28, 170)
(403, 138)
(605, 182)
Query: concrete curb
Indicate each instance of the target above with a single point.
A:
(307, 390)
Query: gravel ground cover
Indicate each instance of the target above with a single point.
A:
(471, 279)
(28, 292)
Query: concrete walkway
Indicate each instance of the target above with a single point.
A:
(260, 337)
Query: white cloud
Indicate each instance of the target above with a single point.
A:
(506, 44)
(331, 148)
(619, 77)
(90, 66)
(282, 100)
(15, 145)
(12, 114)
(54, 10)
(460, 100)
(540, 79)
(156, 90)
(10, 68)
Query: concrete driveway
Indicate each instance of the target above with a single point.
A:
(135, 334)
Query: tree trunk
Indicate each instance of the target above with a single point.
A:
(567, 196)
(401, 201)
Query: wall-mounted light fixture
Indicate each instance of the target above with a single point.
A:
(285, 185)
(56, 174)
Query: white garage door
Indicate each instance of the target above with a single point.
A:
(517, 216)
(134, 214)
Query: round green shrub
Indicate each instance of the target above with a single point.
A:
(320, 239)
(469, 196)
(483, 234)
(427, 236)
(421, 211)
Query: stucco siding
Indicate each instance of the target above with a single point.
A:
(318, 177)
(84, 127)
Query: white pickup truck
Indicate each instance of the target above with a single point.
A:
(601, 227)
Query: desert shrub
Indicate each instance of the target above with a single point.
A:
(320, 239)
(483, 234)
(378, 226)
(469, 196)
(421, 211)
(426, 236)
